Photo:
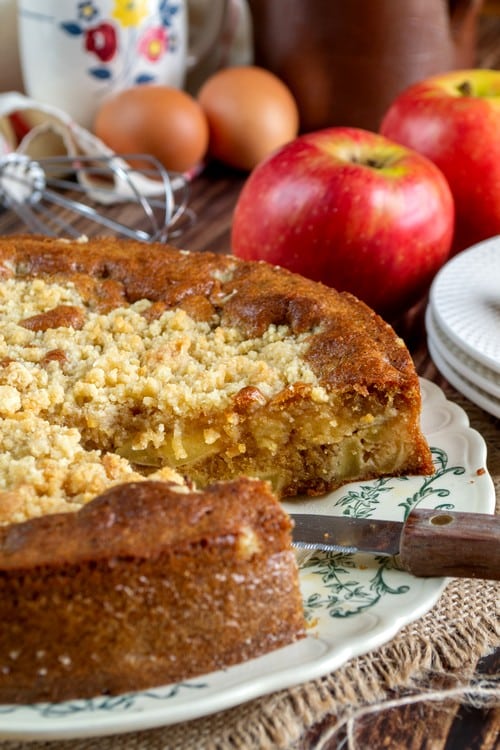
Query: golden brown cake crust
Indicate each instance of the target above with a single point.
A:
(354, 344)
(143, 586)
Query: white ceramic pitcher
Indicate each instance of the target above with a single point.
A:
(75, 53)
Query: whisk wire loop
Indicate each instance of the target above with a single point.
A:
(88, 187)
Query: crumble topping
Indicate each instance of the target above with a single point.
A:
(78, 386)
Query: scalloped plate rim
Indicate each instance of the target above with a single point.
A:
(474, 371)
(445, 309)
(477, 395)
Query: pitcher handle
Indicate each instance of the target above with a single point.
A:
(463, 22)
(204, 40)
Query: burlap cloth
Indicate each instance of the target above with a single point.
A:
(438, 651)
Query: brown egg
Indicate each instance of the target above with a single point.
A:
(158, 120)
(250, 114)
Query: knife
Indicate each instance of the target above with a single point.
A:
(428, 543)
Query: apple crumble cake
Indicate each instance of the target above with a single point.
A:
(139, 385)
(120, 361)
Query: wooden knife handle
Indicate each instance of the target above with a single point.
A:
(445, 543)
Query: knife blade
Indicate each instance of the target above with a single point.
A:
(428, 543)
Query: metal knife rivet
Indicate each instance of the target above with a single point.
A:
(441, 520)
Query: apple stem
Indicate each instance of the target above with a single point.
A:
(465, 88)
(373, 163)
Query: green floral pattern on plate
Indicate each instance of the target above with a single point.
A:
(341, 593)
(361, 501)
(104, 703)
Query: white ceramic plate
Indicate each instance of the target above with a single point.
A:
(465, 299)
(481, 376)
(479, 397)
(353, 603)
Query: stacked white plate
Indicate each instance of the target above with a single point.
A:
(463, 323)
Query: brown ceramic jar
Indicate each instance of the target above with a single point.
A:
(345, 60)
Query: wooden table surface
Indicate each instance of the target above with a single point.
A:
(452, 727)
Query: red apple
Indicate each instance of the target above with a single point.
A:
(454, 120)
(351, 209)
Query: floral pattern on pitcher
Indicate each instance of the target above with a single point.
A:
(134, 35)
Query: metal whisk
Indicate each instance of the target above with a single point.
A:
(49, 195)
